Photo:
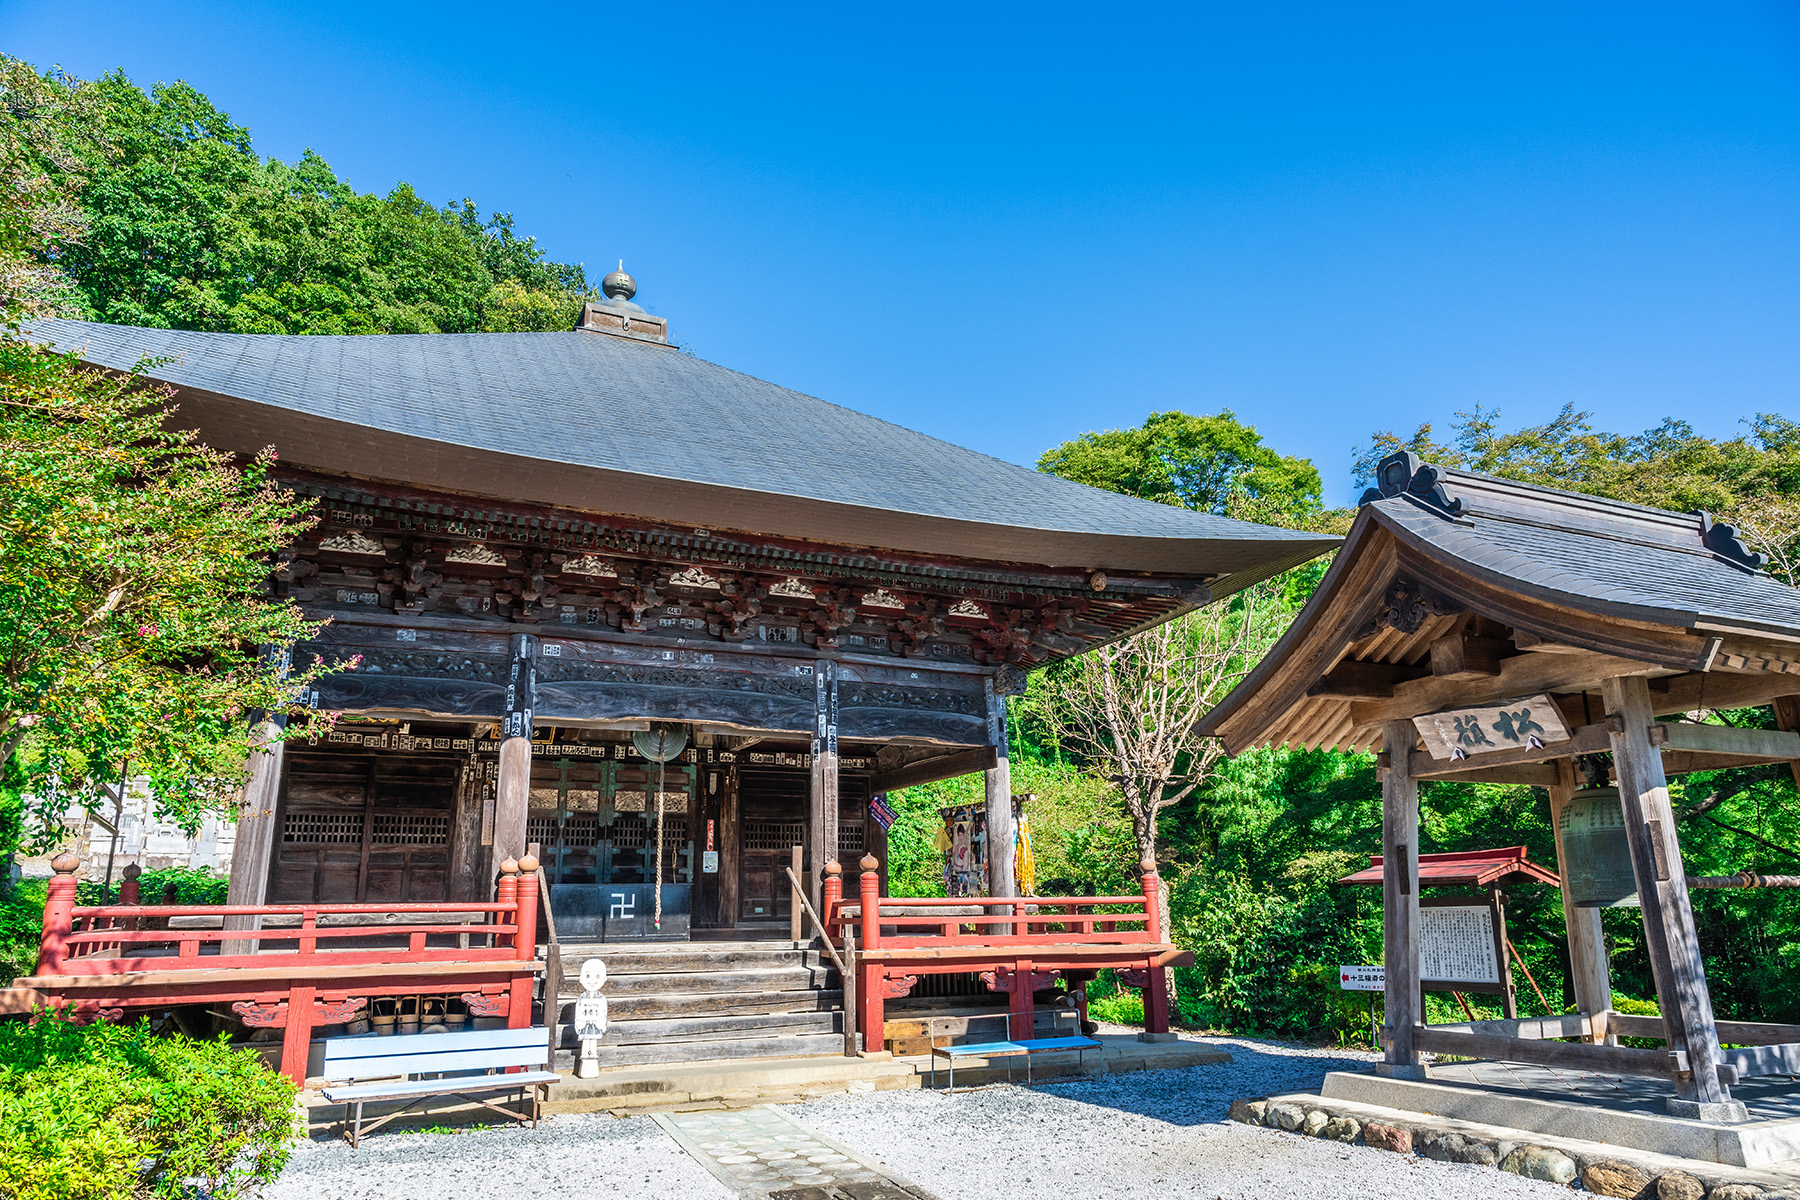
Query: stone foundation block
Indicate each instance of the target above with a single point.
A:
(1610, 1177)
(1536, 1162)
(1390, 1137)
(1341, 1129)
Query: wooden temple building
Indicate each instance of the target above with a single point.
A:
(535, 546)
(1473, 628)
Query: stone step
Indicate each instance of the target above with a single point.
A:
(700, 1029)
(696, 1004)
(787, 1046)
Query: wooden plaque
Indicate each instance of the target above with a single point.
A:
(1472, 732)
(1459, 947)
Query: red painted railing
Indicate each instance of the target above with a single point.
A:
(1010, 941)
(113, 939)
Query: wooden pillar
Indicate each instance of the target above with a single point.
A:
(1787, 716)
(1400, 901)
(513, 796)
(465, 881)
(253, 851)
(1590, 972)
(296, 1035)
(730, 842)
(822, 839)
(1662, 891)
(1001, 835)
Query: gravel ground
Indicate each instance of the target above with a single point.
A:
(1147, 1133)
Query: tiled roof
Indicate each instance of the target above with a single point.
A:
(622, 405)
(1672, 568)
(1471, 868)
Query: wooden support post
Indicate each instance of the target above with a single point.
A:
(513, 796)
(525, 943)
(730, 843)
(869, 991)
(506, 892)
(1662, 891)
(1400, 901)
(1787, 716)
(1022, 1000)
(253, 849)
(1509, 996)
(1590, 972)
(823, 838)
(796, 911)
(1156, 979)
(833, 895)
(296, 1035)
(1001, 834)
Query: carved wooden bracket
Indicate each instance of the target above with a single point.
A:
(262, 1016)
(1135, 977)
(1004, 980)
(86, 1012)
(342, 1011)
(893, 987)
(486, 1006)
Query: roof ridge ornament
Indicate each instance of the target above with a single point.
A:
(1406, 474)
(617, 315)
(1728, 547)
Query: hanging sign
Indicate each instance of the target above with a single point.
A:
(884, 816)
(1362, 978)
(1514, 725)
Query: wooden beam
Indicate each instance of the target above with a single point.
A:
(1590, 968)
(1524, 639)
(1723, 689)
(930, 770)
(1615, 1060)
(1670, 937)
(1762, 745)
(1562, 1025)
(1749, 1033)
(1400, 900)
(1521, 774)
(1765, 1060)
(1523, 675)
(1464, 656)
(1353, 680)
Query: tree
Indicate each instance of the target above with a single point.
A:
(1210, 464)
(45, 125)
(133, 618)
(184, 227)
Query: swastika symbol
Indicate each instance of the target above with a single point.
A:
(624, 904)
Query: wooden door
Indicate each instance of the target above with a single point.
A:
(359, 828)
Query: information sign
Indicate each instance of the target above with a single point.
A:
(1457, 945)
(1362, 978)
(709, 862)
(884, 816)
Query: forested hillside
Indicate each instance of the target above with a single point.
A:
(152, 207)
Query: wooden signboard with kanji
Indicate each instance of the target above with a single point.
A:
(1511, 725)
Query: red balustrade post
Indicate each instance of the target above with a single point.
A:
(128, 884)
(870, 975)
(506, 893)
(59, 914)
(1156, 978)
(525, 942)
(518, 1009)
(833, 896)
(296, 1035)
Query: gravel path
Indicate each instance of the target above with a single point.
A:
(1148, 1133)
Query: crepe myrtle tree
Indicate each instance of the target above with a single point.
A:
(136, 635)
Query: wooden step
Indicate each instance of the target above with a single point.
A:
(779, 979)
(651, 1005)
(632, 962)
(736, 1026)
(706, 1051)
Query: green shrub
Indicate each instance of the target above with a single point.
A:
(1117, 1008)
(107, 1112)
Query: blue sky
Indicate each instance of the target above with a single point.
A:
(1008, 225)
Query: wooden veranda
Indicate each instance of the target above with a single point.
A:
(1480, 629)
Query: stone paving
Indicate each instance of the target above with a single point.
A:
(763, 1152)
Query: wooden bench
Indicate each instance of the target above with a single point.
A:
(461, 1064)
(1009, 1049)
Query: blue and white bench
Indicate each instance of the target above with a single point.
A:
(468, 1065)
(1009, 1049)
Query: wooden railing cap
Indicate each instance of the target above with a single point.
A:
(66, 863)
(869, 863)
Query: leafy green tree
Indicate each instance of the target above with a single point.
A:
(132, 607)
(1212, 464)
